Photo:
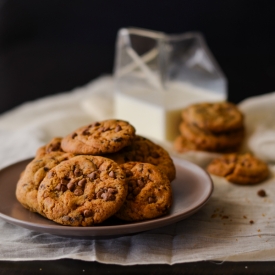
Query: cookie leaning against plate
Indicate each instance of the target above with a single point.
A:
(82, 191)
(32, 176)
(144, 150)
(244, 169)
(215, 117)
(99, 138)
(149, 192)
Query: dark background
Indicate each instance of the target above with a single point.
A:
(48, 47)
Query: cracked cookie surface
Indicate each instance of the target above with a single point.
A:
(99, 138)
(144, 150)
(82, 191)
(32, 176)
(149, 192)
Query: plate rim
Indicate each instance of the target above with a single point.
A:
(69, 231)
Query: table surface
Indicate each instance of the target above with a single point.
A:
(33, 74)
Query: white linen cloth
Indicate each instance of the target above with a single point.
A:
(221, 230)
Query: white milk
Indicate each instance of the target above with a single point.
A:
(157, 114)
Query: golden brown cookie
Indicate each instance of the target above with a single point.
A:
(32, 176)
(209, 141)
(182, 145)
(242, 169)
(215, 117)
(82, 191)
(149, 192)
(99, 138)
(53, 146)
(144, 150)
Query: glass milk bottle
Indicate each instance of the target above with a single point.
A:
(157, 75)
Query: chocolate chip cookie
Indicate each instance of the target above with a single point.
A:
(182, 145)
(53, 146)
(82, 191)
(215, 117)
(244, 169)
(149, 192)
(32, 176)
(209, 141)
(99, 138)
(144, 150)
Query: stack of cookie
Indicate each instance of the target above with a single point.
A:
(99, 170)
(213, 127)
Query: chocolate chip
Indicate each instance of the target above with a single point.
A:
(74, 135)
(71, 185)
(261, 193)
(58, 187)
(112, 190)
(140, 183)
(112, 174)
(132, 182)
(95, 124)
(46, 169)
(151, 200)
(128, 173)
(92, 175)
(155, 154)
(61, 187)
(118, 128)
(86, 132)
(77, 172)
(54, 147)
(82, 182)
(99, 193)
(108, 197)
(64, 181)
(136, 191)
(78, 192)
(117, 139)
(88, 213)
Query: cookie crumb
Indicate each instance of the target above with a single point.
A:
(251, 222)
(261, 193)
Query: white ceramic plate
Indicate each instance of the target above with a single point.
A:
(191, 190)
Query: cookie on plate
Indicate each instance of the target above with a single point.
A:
(215, 117)
(32, 176)
(144, 150)
(53, 146)
(82, 191)
(149, 192)
(99, 138)
(244, 169)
